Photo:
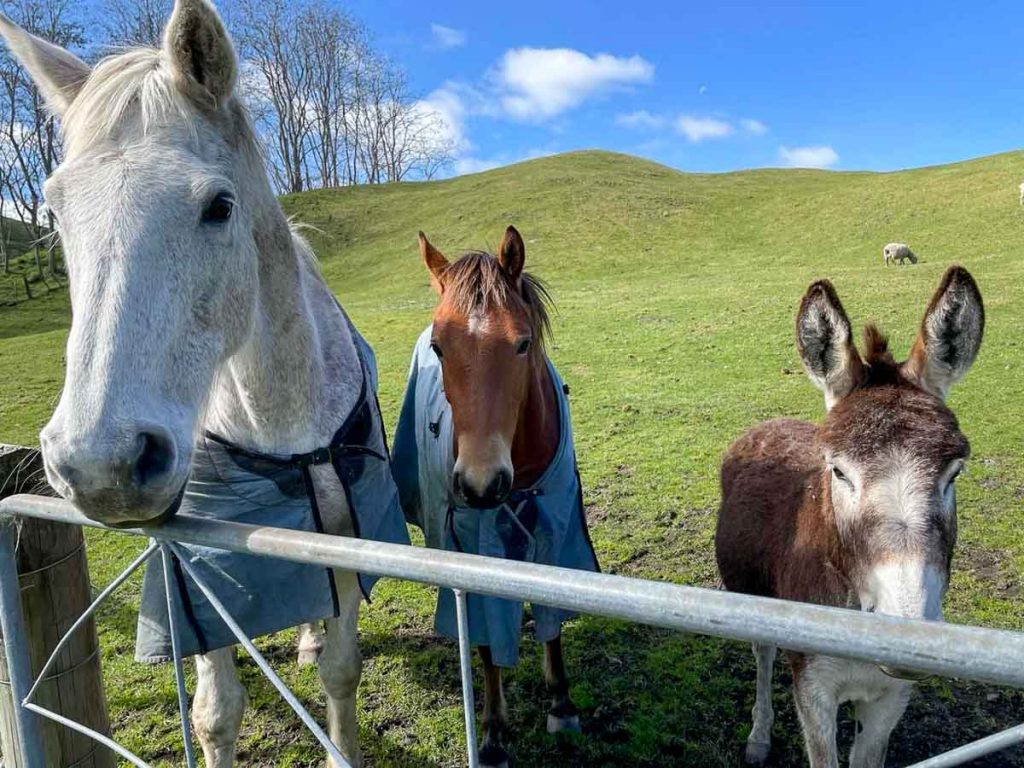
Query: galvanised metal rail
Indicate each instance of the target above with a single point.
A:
(950, 650)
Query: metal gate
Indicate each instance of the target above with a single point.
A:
(987, 655)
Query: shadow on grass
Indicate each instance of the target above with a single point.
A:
(650, 698)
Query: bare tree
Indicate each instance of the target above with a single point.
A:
(28, 132)
(135, 22)
(331, 111)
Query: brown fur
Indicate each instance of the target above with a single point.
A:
(778, 533)
(488, 306)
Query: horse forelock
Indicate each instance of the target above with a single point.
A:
(477, 283)
(132, 92)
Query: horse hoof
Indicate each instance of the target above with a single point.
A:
(309, 658)
(568, 724)
(757, 752)
(493, 757)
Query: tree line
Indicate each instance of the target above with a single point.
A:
(330, 109)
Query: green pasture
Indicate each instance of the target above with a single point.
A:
(676, 298)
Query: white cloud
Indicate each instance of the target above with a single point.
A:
(698, 129)
(702, 90)
(447, 38)
(450, 111)
(808, 157)
(753, 127)
(536, 84)
(640, 119)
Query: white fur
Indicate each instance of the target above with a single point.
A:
(479, 324)
(879, 703)
(179, 325)
(897, 252)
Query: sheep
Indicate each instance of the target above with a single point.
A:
(898, 252)
(1022, 193)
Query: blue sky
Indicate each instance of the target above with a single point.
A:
(715, 86)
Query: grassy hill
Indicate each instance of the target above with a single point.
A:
(676, 296)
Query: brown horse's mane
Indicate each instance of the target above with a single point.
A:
(476, 282)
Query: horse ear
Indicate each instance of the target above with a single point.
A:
(200, 49)
(58, 74)
(512, 254)
(825, 341)
(435, 261)
(950, 334)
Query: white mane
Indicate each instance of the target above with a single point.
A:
(131, 92)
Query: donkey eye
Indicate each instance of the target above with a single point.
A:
(524, 347)
(218, 210)
(837, 473)
(437, 349)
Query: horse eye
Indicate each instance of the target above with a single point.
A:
(437, 349)
(524, 347)
(219, 209)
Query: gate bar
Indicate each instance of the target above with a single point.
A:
(950, 650)
(976, 749)
(16, 646)
(466, 668)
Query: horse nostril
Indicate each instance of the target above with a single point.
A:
(500, 486)
(155, 458)
(457, 483)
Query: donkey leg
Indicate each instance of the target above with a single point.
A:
(875, 721)
(759, 743)
(817, 706)
(311, 643)
(341, 666)
(493, 754)
(563, 715)
(218, 706)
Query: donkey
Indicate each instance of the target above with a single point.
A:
(484, 459)
(196, 310)
(859, 512)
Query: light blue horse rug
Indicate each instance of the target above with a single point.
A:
(542, 524)
(265, 594)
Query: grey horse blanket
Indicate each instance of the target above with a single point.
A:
(542, 524)
(263, 594)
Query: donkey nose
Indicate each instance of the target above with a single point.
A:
(117, 479)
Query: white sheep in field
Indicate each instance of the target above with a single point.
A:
(898, 252)
(1022, 193)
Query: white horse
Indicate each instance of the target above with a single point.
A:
(195, 307)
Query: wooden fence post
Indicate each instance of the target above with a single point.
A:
(55, 591)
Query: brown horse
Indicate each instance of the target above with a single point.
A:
(859, 512)
(486, 402)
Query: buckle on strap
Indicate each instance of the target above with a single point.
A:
(319, 456)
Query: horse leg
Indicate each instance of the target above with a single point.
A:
(218, 706)
(493, 754)
(341, 666)
(759, 743)
(563, 715)
(311, 643)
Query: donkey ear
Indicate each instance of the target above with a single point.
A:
(950, 334)
(512, 254)
(58, 74)
(435, 261)
(825, 341)
(200, 49)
